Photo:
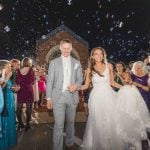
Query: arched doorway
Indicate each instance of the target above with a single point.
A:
(46, 46)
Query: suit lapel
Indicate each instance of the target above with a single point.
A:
(72, 69)
(61, 73)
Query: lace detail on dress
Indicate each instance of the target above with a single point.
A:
(133, 110)
(115, 119)
(100, 132)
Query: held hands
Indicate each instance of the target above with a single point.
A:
(83, 87)
(72, 88)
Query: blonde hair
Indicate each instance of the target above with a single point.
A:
(143, 66)
(3, 63)
(26, 62)
(65, 41)
(14, 61)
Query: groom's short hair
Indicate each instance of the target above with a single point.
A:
(65, 41)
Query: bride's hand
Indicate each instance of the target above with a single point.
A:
(83, 87)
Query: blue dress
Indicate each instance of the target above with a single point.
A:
(1, 109)
(8, 119)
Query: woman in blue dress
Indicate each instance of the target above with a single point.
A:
(8, 114)
(1, 106)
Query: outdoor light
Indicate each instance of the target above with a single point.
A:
(1, 7)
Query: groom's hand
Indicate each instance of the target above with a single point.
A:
(49, 104)
(72, 88)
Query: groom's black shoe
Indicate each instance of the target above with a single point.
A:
(145, 145)
(148, 135)
(70, 147)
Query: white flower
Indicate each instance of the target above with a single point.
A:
(76, 66)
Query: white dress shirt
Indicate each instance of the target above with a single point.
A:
(67, 72)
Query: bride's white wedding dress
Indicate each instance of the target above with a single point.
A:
(133, 115)
(100, 132)
(115, 119)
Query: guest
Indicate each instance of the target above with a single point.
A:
(120, 70)
(15, 65)
(147, 62)
(130, 66)
(2, 78)
(25, 95)
(35, 88)
(8, 115)
(42, 85)
(140, 80)
(1, 107)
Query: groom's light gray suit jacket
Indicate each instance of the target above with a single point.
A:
(55, 79)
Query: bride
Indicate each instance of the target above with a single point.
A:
(101, 132)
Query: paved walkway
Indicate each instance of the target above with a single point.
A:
(39, 137)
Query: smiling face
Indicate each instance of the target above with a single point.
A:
(119, 67)
(66, 49)
(138, 69)
(98, 55)
(16, 65)
(8, 68)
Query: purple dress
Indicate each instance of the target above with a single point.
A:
(25, 94)
(144, 81)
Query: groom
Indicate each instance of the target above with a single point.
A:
(64, 79)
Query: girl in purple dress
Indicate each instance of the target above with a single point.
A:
(25, 80)
(140, 80)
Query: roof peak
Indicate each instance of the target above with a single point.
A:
(62, 28)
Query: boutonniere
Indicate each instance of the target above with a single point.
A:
(76, 66)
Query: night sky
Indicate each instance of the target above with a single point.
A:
(122, 27)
